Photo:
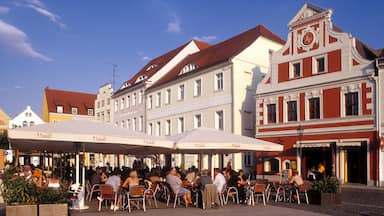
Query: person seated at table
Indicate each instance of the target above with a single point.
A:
(219, 180)
(96, 177)
(241, 183)
(174, 181)
(103, 177)
(191, 174)
(295, 181)
(312, 174)
(132, 180)
(115, 181)
(203, 179)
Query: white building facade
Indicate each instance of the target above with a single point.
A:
(25, 119)
(213, 88)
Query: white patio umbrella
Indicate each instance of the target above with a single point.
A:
(208, 140)
(75, 135)
(211, 141)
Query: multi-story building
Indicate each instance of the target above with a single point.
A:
(213, 88)
(319, 101)
(129, 104)
(103, 103)
(380, 114)
(4, 121)
(25, 119)
(64, 105)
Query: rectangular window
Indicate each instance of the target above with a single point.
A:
(150, 127)
(271, 112)
(158, 99)
(108, 117)
(180, 125)
(134, 124)
(90, 111)
(59, 109)
(168, 96)
(351, 104)
(197, 121)
(150, 102)
(108, 101)
(219, 82)
(181, 92)
(74, 110)
(122, 124)
(314, 108)
(158, 127)
(134, 99)
(167, 127)
(219, 120)
(102, 103)
(128, 101)
(98, 104)
(141, 121)
(141, 95)
(292, 110)
(122, 103)
(197, 89)
(129, 123)
(116, 104)
(320, 64)
(296, 67)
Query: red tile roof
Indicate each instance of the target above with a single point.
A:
(69, 99)
(220, 52)
(380, 52)
(160, 61)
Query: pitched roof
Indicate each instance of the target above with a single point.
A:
(380, 52)
(69, 99)
(157, 63)
(219, 53)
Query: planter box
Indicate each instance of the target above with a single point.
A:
(60, 209)
(324, 199)
(17, 210)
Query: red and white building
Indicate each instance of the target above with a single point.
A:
(320, 101)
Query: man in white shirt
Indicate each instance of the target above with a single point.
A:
(115, 182)
(219, 180)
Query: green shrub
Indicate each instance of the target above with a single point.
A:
(326, 185)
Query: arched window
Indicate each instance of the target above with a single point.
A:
(188, 68)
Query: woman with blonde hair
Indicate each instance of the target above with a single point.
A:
(132, 180)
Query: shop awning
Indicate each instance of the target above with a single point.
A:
(311, 145)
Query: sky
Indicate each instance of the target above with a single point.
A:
(72, 45)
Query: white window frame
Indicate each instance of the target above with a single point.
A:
(150, 100)
(141, 95)
(313, 94)
(122, 103)
(158, 128)
(134, 99)
(158, 99)
(74, 110)
(197, 119)
(197, 90)
(128, 123)
(167, 127)
(128, 101)
(180, 125)
(59, 109)
(167, 99)
(292, 69)
(219, 87)
(90, 111)
(314, 64)
(116, 105)
(150, 128)
(350, 89)
(217, 120)
(181, 92)
(141, 121)
(134, 122)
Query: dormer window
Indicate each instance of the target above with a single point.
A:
(151, 67)
(188, 68)
(141, 78)
(59, 109)
(125, 85)
(74, 110)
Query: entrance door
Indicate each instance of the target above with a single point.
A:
(357, 165)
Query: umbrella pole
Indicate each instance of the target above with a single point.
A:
(77, 168)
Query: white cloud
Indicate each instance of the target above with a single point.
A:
(36, 3)
(4, 10)
(15, 40)
(145, 58)
(174, 25)
(17, 87)
(53, 17)
(208, 38)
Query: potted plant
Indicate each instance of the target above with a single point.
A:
(325, 191)
(52, 201)
(19, 194)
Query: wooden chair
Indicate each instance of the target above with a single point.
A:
(301, 190)
(259, 190)
(136, 193)
(107, 194)
(173, 194)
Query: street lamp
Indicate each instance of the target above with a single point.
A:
(300, 132)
